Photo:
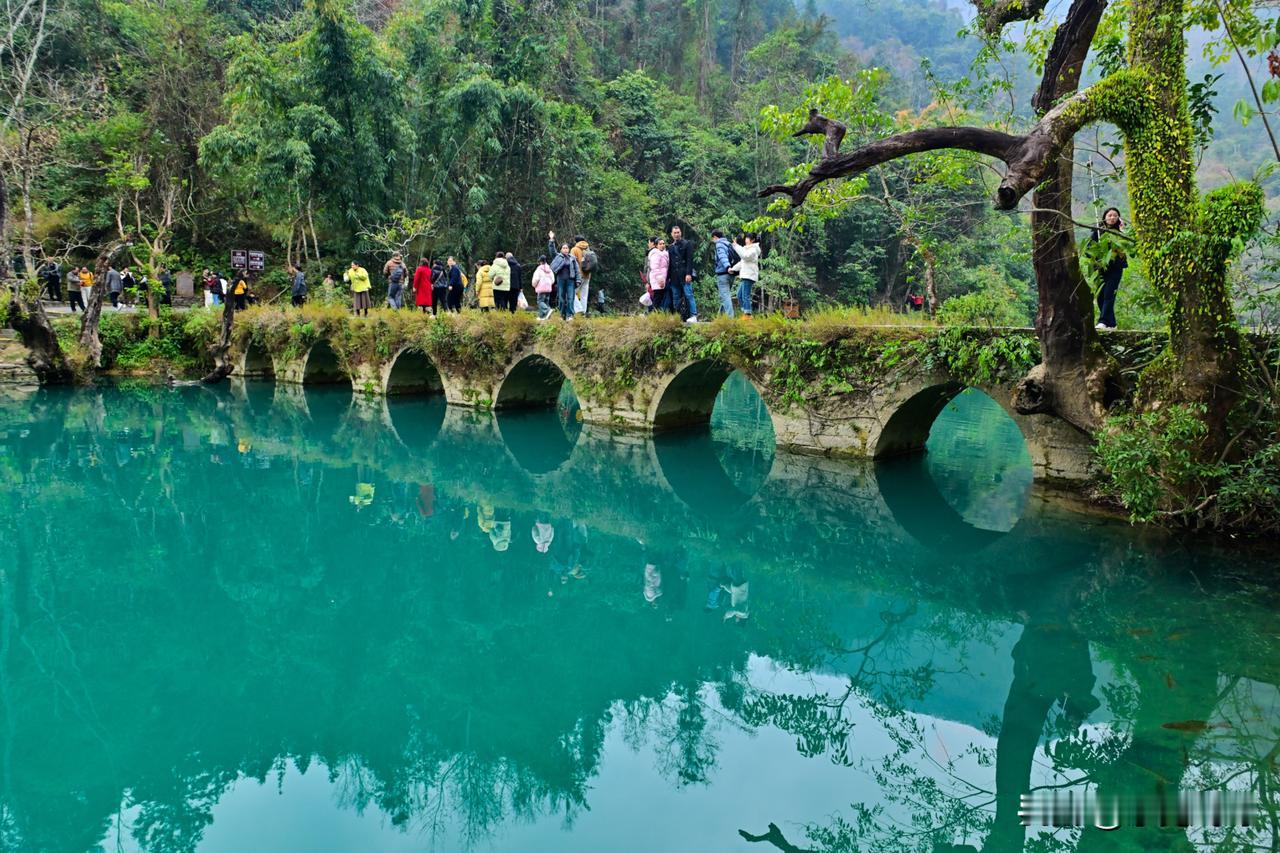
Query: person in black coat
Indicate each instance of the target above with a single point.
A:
(680, 276)
(1113, 272)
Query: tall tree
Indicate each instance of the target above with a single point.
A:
(1186, 241)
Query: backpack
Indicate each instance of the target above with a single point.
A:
(733, 256)
(590, 262)
(397, 274)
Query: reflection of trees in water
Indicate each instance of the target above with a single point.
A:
(742, 434)
(442, 688)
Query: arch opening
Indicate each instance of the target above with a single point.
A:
(323, 367)
(960, 478)
(534, 382)
(689, 398)
(413, 372)
(258, 363)
(541, 440)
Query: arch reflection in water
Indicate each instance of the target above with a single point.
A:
(718, 468)
(541, 439)
(416, 421)
(972, 485)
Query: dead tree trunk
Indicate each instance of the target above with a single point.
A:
(222, 362)
(89, 340)
(27, 316)
(1074, 377)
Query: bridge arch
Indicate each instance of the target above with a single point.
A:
(532, 382)
(411, 371)
(911, 420)
(322, 367)
(688, 397)
(256, 362)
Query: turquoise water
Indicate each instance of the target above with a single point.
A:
(261, 618)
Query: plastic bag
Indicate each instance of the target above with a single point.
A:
(646, 300)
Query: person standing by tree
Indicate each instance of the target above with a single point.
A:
(517, 283)
(298, 290)
(423, 292)
(725, 259)
(395, 272)
(1113, 270)
(358, 277)
(129, 284)
(544, 281)
(51, 273)
(115, 285)
(500, 276)
(74, 295)
(680, 277)
(748, 269)
(658, 263)
(240, 290)
(457, 284)
(167, 287)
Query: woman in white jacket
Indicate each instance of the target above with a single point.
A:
(748, 270)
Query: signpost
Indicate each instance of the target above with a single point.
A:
(257, 261)
(239, 259)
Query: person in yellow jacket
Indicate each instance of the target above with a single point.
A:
(484, 286)
(358, 278)
(86, 283)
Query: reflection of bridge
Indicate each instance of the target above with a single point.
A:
(416, 438)
(862, 409)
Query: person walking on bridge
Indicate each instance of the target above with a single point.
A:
(423, 291)
(358, 277)
(396, 272)
(565, 268)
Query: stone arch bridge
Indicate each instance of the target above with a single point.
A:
(887, 413)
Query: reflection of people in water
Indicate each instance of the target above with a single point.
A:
(567, 553)
(543, 533)
(652, 584)
(500, 532)
(363, 496)
(426, 500)
(731, 584)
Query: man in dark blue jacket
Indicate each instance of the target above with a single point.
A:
(680, 277)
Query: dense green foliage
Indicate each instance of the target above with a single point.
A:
(303, 128)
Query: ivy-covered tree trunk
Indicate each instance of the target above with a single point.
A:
(1185, 243)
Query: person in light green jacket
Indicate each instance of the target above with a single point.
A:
(358, 278)
(500, 274)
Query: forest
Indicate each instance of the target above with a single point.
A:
(324, 130)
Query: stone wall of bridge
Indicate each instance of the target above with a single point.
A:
(866, 405)
(832, 388)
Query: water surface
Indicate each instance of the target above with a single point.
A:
(269, 618)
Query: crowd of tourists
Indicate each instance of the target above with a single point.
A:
(561, 281)
(121, 285)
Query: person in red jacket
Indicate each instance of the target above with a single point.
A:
(422, 285)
